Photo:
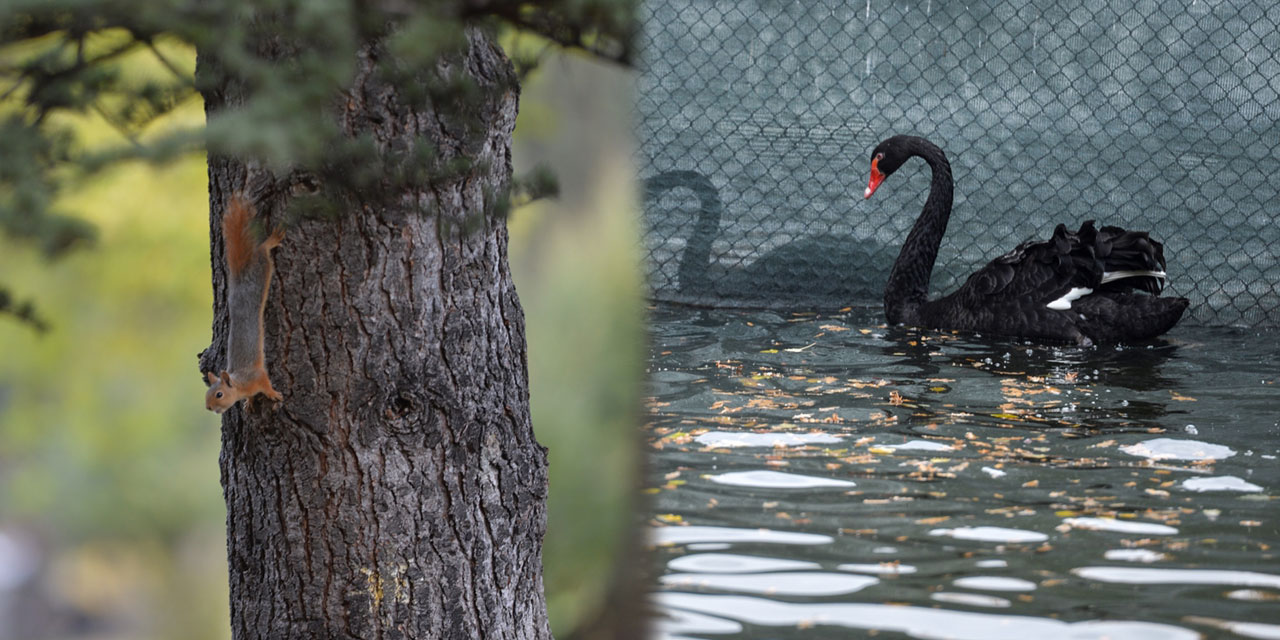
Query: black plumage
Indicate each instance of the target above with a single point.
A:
(1089, 286)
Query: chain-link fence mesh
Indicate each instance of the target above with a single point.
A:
(757, 118)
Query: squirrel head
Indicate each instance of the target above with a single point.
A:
(221, 395)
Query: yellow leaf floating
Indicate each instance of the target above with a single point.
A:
(669, 517)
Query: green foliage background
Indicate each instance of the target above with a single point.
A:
(108, 461)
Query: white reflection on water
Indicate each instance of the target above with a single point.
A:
(991, 534)
(970, 599)
(801, 583)
(764, 479)
(920, 445)
(1246, 629)
(1171, 449)
(735, 563)
(677, 621)
(879, 568)
(1134, 555)
(724, 439)
(1253, 595)
(685, 535)
(708, 546)
(918, 622)
(1143, 575)
(1120, 526)
(994, 583)
(1220, 483)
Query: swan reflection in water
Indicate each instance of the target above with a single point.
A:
(1137, 367)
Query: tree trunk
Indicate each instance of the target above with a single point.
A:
(398, 490)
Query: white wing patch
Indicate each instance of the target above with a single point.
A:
(1112, 276)
(1064, 303)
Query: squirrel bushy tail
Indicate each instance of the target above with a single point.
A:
(249, 269)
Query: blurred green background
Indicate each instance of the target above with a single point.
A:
(111, 513)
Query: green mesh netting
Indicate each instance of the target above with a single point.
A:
(756, 120)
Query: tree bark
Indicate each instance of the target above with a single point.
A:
(398, 490)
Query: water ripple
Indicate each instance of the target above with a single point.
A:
(1137, 575)
(734, 563)
(763, 479)
(804, 583)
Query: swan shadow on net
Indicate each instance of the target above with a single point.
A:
(820, 271)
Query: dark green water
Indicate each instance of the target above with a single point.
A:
(826, 476)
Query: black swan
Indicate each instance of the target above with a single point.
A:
(813, 269)
(1080, 287)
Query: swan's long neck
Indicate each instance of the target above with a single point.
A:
(908, 286)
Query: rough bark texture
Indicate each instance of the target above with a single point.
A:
(398, 491)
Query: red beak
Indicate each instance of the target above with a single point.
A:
(876, 179)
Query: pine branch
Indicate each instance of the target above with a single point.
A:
(24, 312)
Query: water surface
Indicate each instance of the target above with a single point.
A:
(825, 476)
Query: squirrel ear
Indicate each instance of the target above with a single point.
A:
(226, 379)
(212, 378)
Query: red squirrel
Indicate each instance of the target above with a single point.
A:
(249, 269)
